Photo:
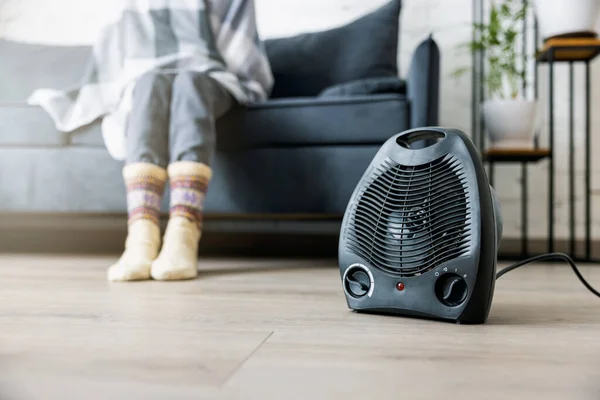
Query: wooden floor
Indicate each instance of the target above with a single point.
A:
(282, 330)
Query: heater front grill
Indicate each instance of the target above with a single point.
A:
(409, 220)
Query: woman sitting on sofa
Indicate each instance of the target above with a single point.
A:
(161, 73)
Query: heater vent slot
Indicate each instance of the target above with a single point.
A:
(411, 219)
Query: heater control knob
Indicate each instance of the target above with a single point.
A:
(357, 282)
(451, 290)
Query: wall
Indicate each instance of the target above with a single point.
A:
(76, 21)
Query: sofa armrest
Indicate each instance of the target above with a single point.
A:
(423, 84)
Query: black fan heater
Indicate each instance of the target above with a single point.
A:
(421, 231)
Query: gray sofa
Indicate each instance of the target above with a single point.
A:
(299, 154)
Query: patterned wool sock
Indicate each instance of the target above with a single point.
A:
(178, 258)
(145, 186)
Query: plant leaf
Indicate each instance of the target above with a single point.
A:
(460, 72)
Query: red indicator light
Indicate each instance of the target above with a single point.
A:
(400, 286)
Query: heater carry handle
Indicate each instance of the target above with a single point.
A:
(420, 138)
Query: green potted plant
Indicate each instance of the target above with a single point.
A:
(508, 116)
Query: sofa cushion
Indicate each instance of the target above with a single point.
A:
(31, 126)
(26, 67)
(343, 120)
(304, 65)
(23, 125)
(280, 122)
(62, 179)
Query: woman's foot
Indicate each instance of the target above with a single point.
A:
(141, 248)
(145, 184)
(178, 259)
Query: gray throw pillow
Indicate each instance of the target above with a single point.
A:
(390, 84)
(304, 65)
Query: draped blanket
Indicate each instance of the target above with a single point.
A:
(218, 37)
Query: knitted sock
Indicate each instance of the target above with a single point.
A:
(178, 258)
(145, 186)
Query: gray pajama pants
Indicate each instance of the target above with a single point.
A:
(173, 118)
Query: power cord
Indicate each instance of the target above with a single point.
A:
(550, 256)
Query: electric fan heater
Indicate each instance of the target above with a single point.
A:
(420, 233)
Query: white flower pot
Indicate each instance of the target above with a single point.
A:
(559, 17)
(510, 123)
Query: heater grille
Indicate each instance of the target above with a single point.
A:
(411, 219)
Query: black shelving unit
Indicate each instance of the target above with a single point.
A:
(524, 158)
(571, 51)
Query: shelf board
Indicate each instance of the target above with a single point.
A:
(569, 49)
(519, 155)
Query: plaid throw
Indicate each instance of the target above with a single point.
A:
(218, 37)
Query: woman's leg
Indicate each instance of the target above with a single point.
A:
(197, 102)
(147, 143)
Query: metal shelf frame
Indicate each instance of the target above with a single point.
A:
(553, 52)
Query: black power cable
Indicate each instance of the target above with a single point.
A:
(550, 256)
